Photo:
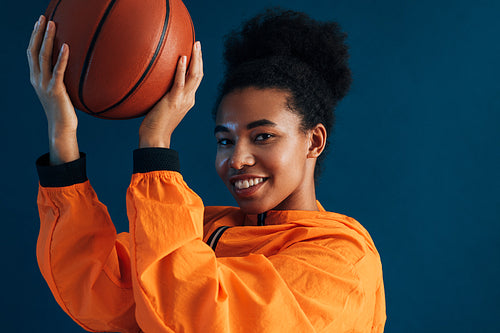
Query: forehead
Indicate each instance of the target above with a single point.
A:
(245, 106)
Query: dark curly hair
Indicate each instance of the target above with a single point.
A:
(290, 51)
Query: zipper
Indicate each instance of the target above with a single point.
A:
(261, 219)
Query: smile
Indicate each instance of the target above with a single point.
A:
(244, 184)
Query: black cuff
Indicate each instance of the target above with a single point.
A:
(66, 174)
(155, 159)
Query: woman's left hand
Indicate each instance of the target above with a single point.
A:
(159, 124)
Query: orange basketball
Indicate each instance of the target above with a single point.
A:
(123, 53)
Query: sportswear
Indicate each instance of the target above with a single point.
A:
(302, 271)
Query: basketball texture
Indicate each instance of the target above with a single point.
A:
(123, 53)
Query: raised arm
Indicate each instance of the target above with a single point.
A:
(85, 263)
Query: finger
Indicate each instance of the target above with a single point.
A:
(60, 66)
(32, 37)
(195, 74)
(30, 46)
(180, 75)
(45, 57)
(34, 45)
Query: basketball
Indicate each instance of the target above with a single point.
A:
(123, 53)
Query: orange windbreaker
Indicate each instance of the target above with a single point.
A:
(303, 271)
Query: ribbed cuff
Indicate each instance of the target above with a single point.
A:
(155, 159)
(66, 174)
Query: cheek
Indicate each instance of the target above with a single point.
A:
(288, 160)
(221, 165)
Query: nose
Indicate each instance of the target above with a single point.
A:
(241, 157)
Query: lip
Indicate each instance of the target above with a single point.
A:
(245, 176)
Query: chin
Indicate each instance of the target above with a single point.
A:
(252, 207)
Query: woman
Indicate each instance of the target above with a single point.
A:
(278, 263)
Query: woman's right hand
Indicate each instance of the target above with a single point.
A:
(48, 82)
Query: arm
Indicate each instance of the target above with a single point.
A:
(179, 284)
(85, 263)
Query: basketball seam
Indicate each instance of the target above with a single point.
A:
(88, 56)
(151, 63)
(54, 11)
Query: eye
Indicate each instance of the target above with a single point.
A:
(263, 137)
(222, 142)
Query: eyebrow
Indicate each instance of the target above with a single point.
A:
(253, 124)
(261, 122)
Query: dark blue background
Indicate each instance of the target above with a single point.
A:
(415, 155)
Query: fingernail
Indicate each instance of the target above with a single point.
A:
(184, 59)
(50, 25)
(38, 22)
(198, 45)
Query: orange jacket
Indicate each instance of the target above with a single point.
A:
(303, 271)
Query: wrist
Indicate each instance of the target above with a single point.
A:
(63, 148)
(154, 137)
(151, 142)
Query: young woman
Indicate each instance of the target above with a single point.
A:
(278, 263)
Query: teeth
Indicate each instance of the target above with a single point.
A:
(242, 184)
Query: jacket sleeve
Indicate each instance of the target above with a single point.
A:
(180, 285)
(85, 263)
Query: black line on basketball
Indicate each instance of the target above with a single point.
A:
(54, 11)
(150, 65)
(89, 54)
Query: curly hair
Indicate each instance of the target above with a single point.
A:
(290, 51)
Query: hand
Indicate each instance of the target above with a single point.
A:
(159, 124)
(47, 80)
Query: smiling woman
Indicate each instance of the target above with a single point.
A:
(260, 138)
(277, 263)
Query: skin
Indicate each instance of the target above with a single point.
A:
(258, 135)
(49, 86)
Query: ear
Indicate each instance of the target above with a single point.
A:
(317, 141)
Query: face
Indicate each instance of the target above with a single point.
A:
(262, 153)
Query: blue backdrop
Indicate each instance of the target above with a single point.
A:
(415, 155)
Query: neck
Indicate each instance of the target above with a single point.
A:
(302, 199)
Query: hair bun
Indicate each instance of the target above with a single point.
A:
(285, 33)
